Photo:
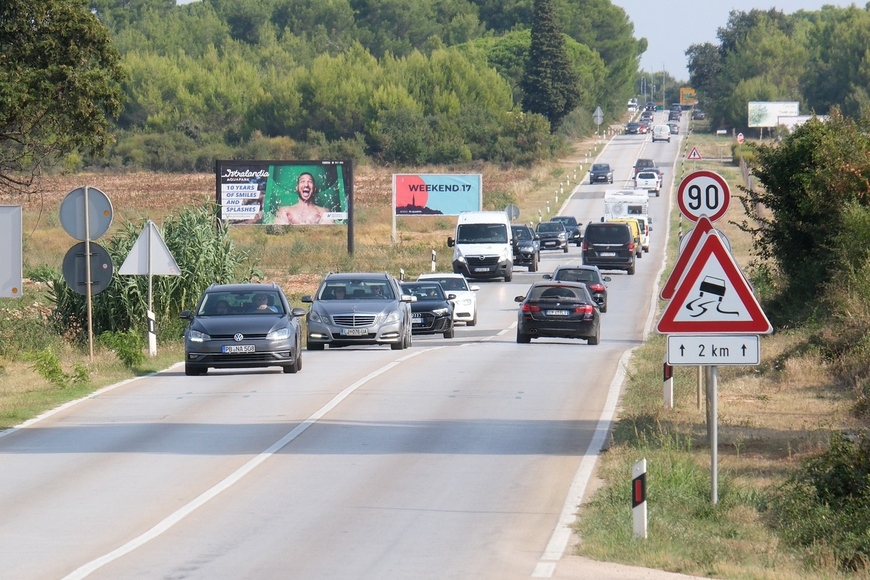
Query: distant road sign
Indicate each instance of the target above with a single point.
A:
(740, 137)
(694, 155)
(703, 193)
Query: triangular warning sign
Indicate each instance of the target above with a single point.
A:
(149, 255)
(693, 242)
(694, 155)
(713, 297)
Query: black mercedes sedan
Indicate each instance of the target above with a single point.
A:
(558, 310)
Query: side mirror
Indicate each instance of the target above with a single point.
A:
(297, 312)
(519, 298)
(185, 315)
(450, 242)
(307, 298)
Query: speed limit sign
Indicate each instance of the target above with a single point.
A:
(703, 193)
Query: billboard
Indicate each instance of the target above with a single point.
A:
(767, 113)
(687, 96)
(436, 194)
(284, 192)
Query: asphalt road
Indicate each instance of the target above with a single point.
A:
(458, 458)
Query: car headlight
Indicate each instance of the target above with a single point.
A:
(314, 316)
(197, 336)
(465, 302)
(441, 311)
(280, 334)
(393, 316)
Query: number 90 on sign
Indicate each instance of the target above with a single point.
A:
(703, 193)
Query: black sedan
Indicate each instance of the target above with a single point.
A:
(553, 235)
(432, 311)
(242, 326)
(632, 128)
(590, 275)
(558, 310)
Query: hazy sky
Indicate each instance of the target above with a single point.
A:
(672, 26)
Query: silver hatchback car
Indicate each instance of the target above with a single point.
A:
(359, 309)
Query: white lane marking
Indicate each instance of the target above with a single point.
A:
(230, 480)
(562, 534)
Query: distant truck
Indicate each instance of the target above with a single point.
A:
(619, 203)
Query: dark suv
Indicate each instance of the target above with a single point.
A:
(572, 226)
(527, 247)
(610, 246)
(646, 165)
(601, 172)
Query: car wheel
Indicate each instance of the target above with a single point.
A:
(398, 345)
(315, 346)
(450, 333)
(296, 366)
(595, 339)
(533, 267)
(611, 180)
(194, 370)
(657, 194)
(565, 249)
(473, 320)
(509, 275)
(603, 307)
(631, 270)
(523, 338)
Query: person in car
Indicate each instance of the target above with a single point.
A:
(261, 303)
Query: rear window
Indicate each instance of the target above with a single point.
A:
(608, 234)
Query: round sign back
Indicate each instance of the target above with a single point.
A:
(75, 270)
(703, 193)
(73, 210)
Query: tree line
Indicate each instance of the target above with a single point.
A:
(817, 58)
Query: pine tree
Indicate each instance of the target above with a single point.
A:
(550, 85)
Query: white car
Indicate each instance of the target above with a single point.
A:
(466, 300)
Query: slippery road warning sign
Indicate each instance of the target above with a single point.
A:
(713, 297)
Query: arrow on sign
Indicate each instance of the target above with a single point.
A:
(713, 297)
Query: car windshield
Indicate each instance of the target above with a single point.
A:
(481, 234)
(600, 167)
(550, 227)
(357, 290)
(230, 303)
(424, 291)
(451, 284)
(565, 220)
(522, 234)
(575, 275)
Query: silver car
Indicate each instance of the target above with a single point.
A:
(358, 309)
(241, 326)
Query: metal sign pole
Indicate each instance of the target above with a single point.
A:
(152, 336)
(88, 281)
(712, 430)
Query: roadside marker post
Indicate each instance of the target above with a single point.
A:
(668, 385)
(638, 499)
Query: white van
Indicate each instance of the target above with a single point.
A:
(645, 223)
(661, 133)
(482, 247)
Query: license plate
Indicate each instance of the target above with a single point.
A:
(481, 269)
(238, 348)
(354, 331)
(549, 243)
(417, 320)
(556, 313)
(608, 254)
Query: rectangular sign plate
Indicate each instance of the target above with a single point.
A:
(713, 350)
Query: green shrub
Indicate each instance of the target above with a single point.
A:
(824, 505)
(127, 346)
(46, 363)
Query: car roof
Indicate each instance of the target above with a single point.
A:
(357, 276)
(244, 287)
(439, 275)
